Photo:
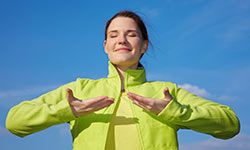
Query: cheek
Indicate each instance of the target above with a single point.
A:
(138, 46)
(136, 43)
(109, 45)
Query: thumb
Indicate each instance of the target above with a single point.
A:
(70, 96)
(167, 95)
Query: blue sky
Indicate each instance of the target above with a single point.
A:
(201, 45)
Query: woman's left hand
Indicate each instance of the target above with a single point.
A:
(150, 104)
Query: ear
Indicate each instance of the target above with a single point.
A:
(144, 46)
(104, 45)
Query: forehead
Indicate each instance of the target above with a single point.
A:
(123, 23)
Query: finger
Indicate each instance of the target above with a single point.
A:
(141, 105)
(136, 97)
(167, 95)
(102, 104)
(70, 96)
(97, 106)
(92, 101)
(139, 100)
(105, 101)
(88, 103)
(146, 102)
(77, 103)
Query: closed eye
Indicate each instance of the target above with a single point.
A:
(113, 35)
(132, 34)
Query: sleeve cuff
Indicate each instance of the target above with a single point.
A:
(65, 113)
(169, 112)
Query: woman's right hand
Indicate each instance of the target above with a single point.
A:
(83, 107)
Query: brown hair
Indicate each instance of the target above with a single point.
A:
(135, 17)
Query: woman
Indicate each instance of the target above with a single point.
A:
(123, 111)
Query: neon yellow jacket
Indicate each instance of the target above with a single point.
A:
(156, 132)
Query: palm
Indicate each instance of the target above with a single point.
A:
(149, 104)
(84, 107)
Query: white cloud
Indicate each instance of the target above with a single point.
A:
(10, 98)
(240, 142)
(195, 89)
(25, 92)
(204, 93)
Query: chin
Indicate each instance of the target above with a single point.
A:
(122, 60)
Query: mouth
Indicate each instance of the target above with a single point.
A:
(123, 49)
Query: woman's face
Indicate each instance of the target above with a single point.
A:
(124, 44)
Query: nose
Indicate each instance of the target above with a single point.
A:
(122, 39)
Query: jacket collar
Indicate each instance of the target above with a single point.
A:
(131, 76)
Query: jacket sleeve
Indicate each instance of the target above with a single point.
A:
(40, 113)
(189, 111)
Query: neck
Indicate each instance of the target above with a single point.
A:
(121, 70)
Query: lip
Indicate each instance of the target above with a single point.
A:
(123, 49)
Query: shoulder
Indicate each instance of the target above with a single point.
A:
(88, 80)
(168, 84)
(83, 82)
